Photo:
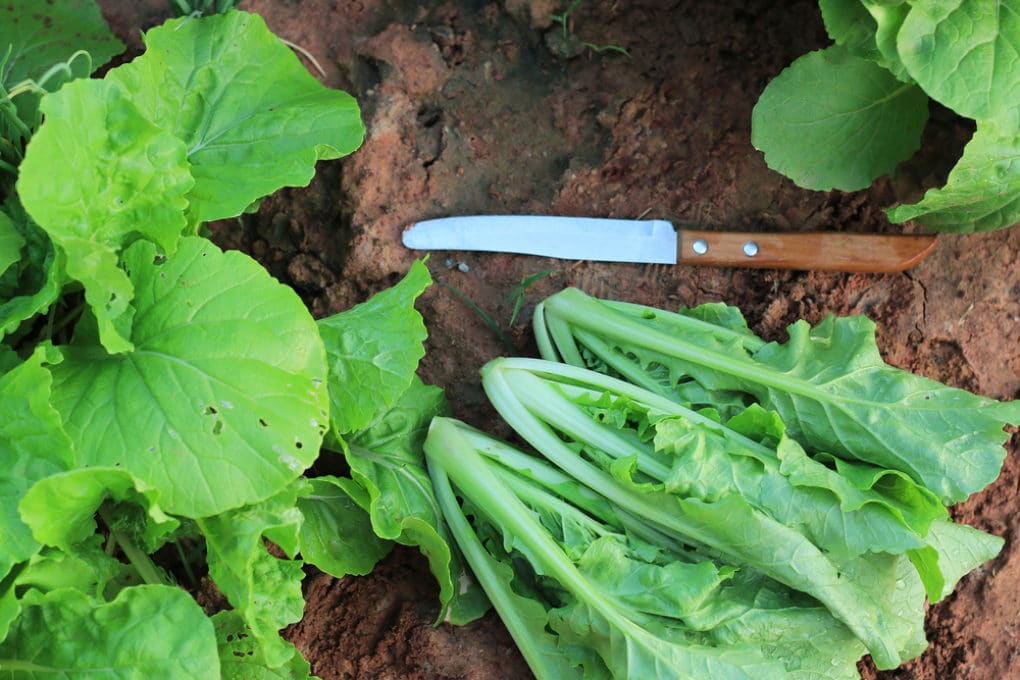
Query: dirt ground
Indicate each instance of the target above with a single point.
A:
(488, 107)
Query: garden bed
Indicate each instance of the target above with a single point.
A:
(474, 107)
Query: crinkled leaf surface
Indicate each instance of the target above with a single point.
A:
(374, 349)
(241, 657)
(983, 189)
(146, 632)
(337, 534)
(965, 54)
(832, 389)
(263, 589)
(33, 446)
(223, 400)
(883, 512)
(947, 439)
(835, 120)
(387, 459)
(251, 116)
(96, 176)
(43, 35)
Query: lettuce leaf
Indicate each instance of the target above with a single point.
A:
(828, 383)
(688, 477)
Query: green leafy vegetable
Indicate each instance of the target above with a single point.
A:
(373, 350)
(160, 394)
(380, 412)
(227, 379)
(131, 175)
(33, 446)
(585, 594)
(828, 383)
(40, 50)
(840, 117)
(386, 459)
(833, 119)
(264, 590)
(146, 632)
(252, 118)
(982, 192)
(337, 534)
(849, 544)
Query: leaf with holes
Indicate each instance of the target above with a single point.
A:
(263, 589)
(223, 400)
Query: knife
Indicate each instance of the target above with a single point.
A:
(657, 242)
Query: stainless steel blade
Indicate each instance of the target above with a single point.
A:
(569, 238)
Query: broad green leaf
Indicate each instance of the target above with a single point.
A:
(263, 589)
(50, 44)
(373, 350)
(11, 242)
(96, 176)
(241, 657)
(62, 508)
(146, 632)
(251, 116)
(33, 446)
(337, 535)
(386, 458)
(834, 120)
(222, 402)
(965, 54)
(982, 192)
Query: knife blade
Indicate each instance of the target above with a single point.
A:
(657, 242)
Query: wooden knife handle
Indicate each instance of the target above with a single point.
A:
(818, 251)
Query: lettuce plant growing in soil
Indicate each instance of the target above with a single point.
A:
(163, 398)
(844, 115)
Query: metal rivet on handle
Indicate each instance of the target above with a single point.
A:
(750, 249)
(700, 246)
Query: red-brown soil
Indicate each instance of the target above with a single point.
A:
(483, 107)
